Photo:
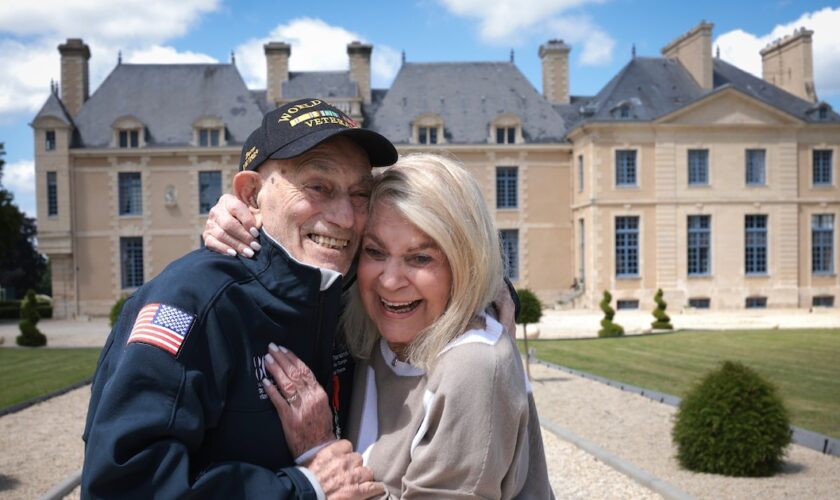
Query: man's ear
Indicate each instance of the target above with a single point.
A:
(246, 187)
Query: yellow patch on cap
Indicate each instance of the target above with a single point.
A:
(249, 157)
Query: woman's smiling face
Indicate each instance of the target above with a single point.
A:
(404, 278)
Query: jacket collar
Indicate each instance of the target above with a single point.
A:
(274, 267)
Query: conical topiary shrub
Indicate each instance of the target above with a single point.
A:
(608, 328)
(662, 322)
(732, 423)
(30, 336)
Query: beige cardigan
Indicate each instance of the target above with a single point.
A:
(467, 429)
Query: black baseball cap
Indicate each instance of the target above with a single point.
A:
(296, 127)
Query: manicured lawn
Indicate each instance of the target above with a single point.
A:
(28, 373)
(804, 364)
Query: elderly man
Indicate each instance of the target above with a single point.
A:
(178, 405)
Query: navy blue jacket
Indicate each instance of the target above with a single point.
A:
(197, 422)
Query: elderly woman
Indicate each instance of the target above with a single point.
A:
(441, 405)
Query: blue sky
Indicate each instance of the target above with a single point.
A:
(601, 33)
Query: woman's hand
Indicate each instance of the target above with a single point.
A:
(300, 401)
(231, 228)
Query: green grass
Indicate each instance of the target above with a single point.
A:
(803, 364)
(28, 373)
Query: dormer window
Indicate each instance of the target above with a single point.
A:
(625, 109)
(209, 132)
(129, 138)
(128, 133)
(428, 129)
(208, 137)
(506, 129)
(427, 135)
(624, 112)
(821, 111)
(505, 135)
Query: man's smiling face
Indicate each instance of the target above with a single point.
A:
(316, 204)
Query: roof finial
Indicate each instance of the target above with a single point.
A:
(633, 51)
(511, 55)
(119, 58)
(233, 57)
(403, 58)
(717, 53)
(52, 85)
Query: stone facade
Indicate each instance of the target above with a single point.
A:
(562, 150)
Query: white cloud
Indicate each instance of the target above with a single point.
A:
(25, 72)
(137, 27)
(513, 21)
(19, 177)
(385, 63)
(742, 48)
(140, 21)
(580, 30)
(316, 46)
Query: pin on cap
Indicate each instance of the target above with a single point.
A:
(296, 127)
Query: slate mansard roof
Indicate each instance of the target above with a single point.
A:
(468, 97)
(167, 99)
(652, 87)
(54, 108)
(319, 84)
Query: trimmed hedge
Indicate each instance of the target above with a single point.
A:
(10, 309)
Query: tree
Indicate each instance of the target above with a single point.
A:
(608, 328)
(662, 322)
(21, 266)
(530, 311)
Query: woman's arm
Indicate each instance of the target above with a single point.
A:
(231, 228)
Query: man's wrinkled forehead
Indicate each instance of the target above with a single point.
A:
(335, 160)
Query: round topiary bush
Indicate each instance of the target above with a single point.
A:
(732, 423)
(608, 328)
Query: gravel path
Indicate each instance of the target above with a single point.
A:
(638, 430)
(42, 444)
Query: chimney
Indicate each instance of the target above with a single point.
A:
(788, 63)
(277, 69)
(359, 54)
(694, 51)
(75, 78)
(555, 71)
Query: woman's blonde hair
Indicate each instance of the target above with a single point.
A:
(442, 199)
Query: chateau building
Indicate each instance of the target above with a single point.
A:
(684, 172)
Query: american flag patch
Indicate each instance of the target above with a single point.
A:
(162, 326)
